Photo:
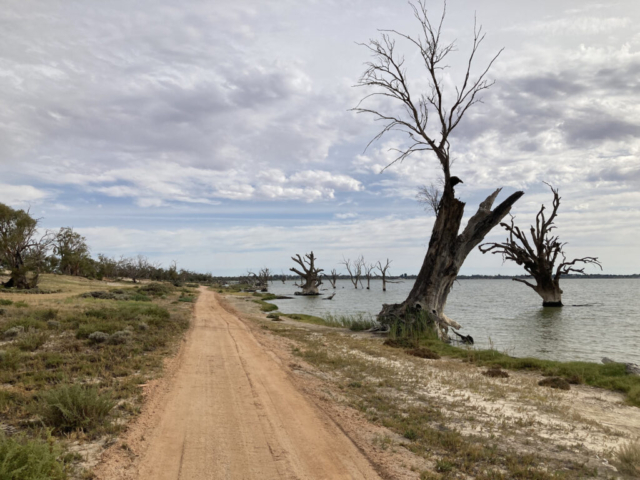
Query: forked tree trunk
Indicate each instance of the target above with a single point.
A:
(446, 253)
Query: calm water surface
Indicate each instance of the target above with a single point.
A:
(509, 315)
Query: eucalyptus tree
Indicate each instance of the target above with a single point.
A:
(22, 248)
(428, 118)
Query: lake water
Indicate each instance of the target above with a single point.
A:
(510, 316)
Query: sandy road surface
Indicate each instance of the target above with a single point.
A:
(231, 412)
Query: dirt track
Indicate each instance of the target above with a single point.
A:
(230, 411)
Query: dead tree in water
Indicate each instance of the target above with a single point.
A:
(310, 274)
(386, 76)
(354, 269)
(368, 268)
(383, 273)
(333, 278)
(539, 256)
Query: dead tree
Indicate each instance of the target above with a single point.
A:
(310, 274)
(386, 76)
(429, 198)
(354, 269)
(383, 273)
(539, 256)
(264, 275)
(368, 269)
(333, 278)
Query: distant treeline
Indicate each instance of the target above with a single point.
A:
(25, 252)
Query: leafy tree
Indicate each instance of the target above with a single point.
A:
(22, 250)
(73, 251)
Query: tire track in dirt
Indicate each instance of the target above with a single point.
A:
(231, 411)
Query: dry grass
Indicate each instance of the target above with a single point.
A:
(53, 376)
(627, 458)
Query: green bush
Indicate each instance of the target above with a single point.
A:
(6, 301)
(157, 289)
(74, 407)
(21, 304)
(24, 459)
(32, 341)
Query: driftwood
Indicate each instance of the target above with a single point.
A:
(539, 255)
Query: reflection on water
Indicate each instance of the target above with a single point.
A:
(510, 317)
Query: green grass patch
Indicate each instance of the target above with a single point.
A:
(74, 407)
(32, 340)
(6, 302)
(30, 459)
(355, 323)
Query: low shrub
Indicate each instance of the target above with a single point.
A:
(6, 302)
(98, 337)
(10, 359)
(21, 304)
(555, 382)
(118, 338)
(25, 459)
(628, 459)
(74, 407)
(32, 341)
(157, 289)
(423, 353)
(13, 332)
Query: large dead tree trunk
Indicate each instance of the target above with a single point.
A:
(539, 256)
(310, 275)
(446, 253)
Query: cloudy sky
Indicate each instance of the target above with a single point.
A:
(218, 133)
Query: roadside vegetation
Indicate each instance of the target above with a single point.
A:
(73, 364)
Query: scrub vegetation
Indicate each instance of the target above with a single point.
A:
(73, 363)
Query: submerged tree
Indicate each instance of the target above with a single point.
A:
(21, 248)
(368, 270)
(383, 273)
(387, 76)
(539, 256)
(333, 278)
(354, 268)
(310, 274)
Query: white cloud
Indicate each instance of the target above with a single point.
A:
(21, 195)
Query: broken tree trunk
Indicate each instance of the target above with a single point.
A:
(446, 253)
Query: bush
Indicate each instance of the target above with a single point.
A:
(628, 459)
(32, 341)
(21, 304)
(74, 407)
(157, 289)
(6, 302)
(98, 337)
(23, 459)
(13, 332)
(119, 337)
(10, 359)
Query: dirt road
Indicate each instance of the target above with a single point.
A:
(231, 412)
